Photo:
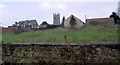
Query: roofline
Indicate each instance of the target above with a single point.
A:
(77, 18)
(99, 18)
(28, 20)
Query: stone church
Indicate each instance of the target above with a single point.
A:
(73, 22)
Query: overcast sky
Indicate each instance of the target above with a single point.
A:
(43, 10)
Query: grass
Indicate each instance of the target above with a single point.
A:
(88, 34)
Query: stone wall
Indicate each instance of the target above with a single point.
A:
(37, 53)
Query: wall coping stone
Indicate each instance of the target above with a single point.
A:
(88, 43)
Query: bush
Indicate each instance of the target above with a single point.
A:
(53, 26)
(17, 31)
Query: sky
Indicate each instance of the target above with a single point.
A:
(118, 10)
(15, 11)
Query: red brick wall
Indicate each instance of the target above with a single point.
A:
(9, 29)
(100, 20)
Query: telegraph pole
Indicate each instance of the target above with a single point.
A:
(85, 18)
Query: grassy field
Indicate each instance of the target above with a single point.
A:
(88, 34)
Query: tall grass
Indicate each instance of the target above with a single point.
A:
(88, 34)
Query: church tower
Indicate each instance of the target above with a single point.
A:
(56, 19)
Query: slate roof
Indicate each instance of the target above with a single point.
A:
(33, 23)
(44, 23)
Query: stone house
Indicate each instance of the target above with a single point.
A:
(73, 22)
(27, 24)
(100, 21)
(44, 25)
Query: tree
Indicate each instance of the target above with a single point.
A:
(15, 22)
(72, 21)
(63, 19)
(116, 17)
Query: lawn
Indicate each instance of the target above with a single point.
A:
(88, 34)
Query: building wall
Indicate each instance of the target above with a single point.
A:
(100, 21)
(6, 30)
(43, 26)
(56, 19)
(32, 23)
(9, 29)
(79, 23)
(67, 23)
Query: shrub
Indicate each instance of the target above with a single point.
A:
(53, 26)
(17, 31)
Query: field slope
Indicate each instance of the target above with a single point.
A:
(88, 34)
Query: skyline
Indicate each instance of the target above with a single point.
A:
(43, 11)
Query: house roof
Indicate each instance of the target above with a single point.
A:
(99, 19)
(75, 18)
(34, 22)
(27, 22)
(44, 23)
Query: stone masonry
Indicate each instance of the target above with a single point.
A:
(56, 19)
(36, 53)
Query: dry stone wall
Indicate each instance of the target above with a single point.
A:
(37, 53)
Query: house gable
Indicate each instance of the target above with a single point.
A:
(73, 22)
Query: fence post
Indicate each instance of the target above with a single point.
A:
(65, 37)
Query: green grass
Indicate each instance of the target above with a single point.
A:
(88, 34)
